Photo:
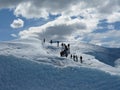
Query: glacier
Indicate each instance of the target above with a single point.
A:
(29, 64)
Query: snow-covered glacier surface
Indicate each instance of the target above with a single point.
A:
(33, 65)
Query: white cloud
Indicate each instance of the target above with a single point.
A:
(108, 6)
(42, 8)
(114, 17)
(61, 28)
(18, 23)
(110, 38)
(29, 10)
(13, 35)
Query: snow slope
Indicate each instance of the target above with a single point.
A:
(21, 74)
(31, 65)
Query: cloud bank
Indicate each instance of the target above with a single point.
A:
(87, 15)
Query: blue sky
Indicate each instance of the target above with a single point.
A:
(7, 16)
(96, 22)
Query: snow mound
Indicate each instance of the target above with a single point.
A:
(23, 48)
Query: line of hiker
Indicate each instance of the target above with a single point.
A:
(65, 51)
(51, 41)
(76, 58)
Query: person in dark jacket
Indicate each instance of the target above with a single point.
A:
(66, 48)
(81, 59)
(44, 40)
(51, 42)
(57, 43)
(71, 56)
(76, 58)
(68, 51)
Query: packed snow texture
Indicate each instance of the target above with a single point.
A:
(30, 64)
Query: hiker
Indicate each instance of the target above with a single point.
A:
(71, 56)
(68, 47)
(51, 42)
(44, 40)
(76, 58)
(66, 50)
(62, 47)
(62, 50)
(57, 43)
(81, 59)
